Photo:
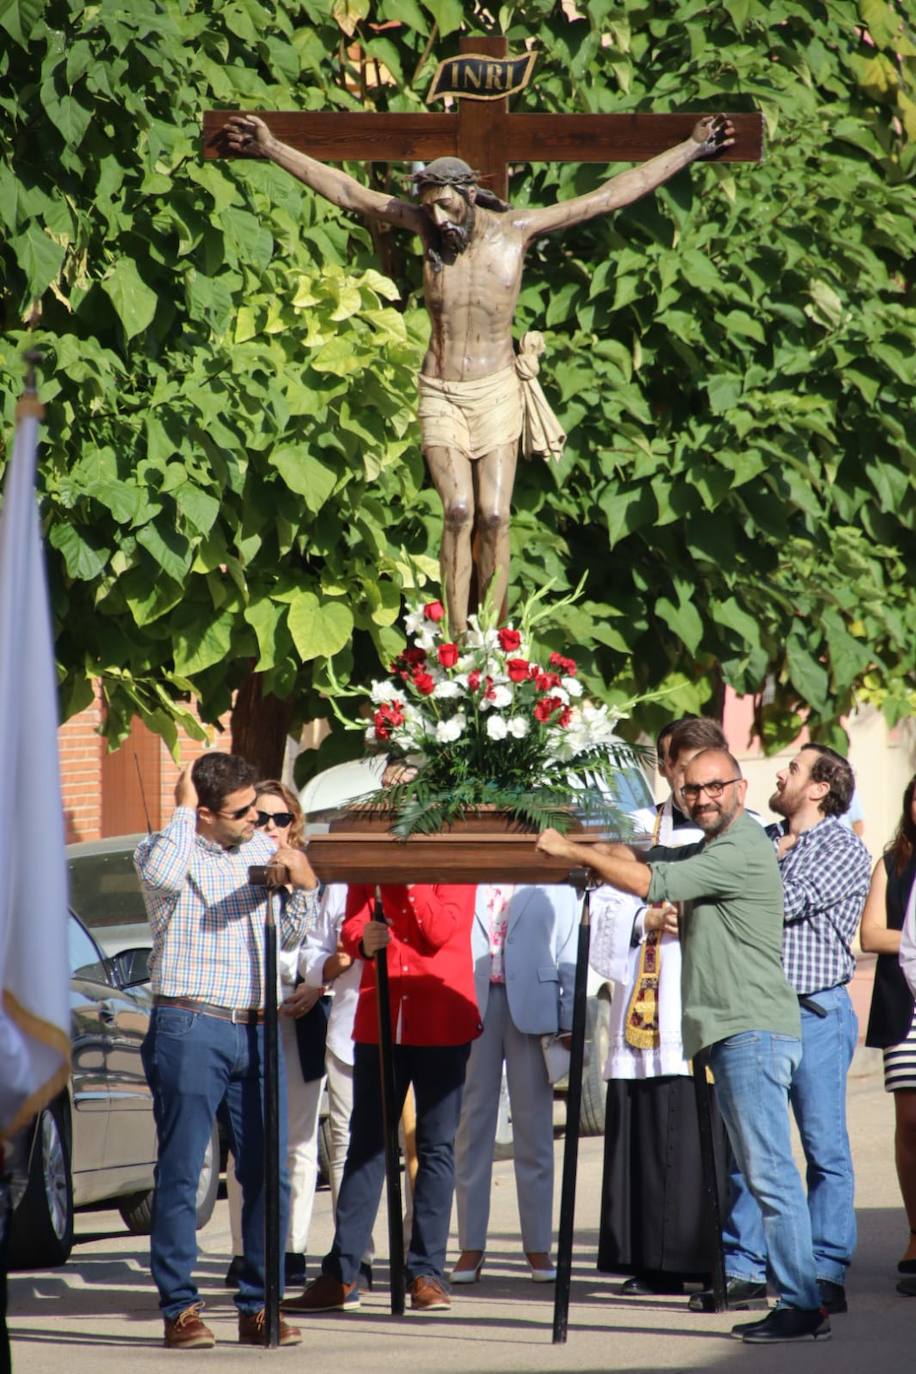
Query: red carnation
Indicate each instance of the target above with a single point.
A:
(567, 666)
(448, 655)
(509, 639)
(517, 668)
(424, 683)
(565, 717)
(381, 726)
(474, 679)
(434, 610)
(545, 682)
(545, 708)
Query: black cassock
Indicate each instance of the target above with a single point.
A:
(653, 1218)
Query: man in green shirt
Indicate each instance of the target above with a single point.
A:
(738, 1005)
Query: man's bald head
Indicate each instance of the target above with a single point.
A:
(713, 791)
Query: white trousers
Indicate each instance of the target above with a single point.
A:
(303, 1102)
(531, 1100)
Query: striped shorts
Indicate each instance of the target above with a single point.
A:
(900, 1062)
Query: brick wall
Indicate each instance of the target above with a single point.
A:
(80, 748)
(112, 793)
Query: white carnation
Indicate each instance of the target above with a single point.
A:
(500, 698)
(517, 726)
(385, 691)
(572, 685)
(497, 727)
(447, 688)
(447, 731)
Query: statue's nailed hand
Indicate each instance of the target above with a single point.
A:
(713, 133)
(246, 133)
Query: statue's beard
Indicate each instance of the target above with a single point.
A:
(451, 241)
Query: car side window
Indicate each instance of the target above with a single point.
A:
(85, 958)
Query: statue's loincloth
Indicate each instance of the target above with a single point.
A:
(482, 415)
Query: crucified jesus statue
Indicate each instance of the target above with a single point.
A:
(478, 397)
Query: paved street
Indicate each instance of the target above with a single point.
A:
(100, 1312)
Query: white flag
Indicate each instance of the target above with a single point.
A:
(34, 962)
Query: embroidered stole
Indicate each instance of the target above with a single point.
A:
(641, 1028)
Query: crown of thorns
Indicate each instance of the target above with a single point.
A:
(445, 171)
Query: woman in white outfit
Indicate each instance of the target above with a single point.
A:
(323, 964)
(280, 817)
(524, 946)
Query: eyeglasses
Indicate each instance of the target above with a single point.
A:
(237, 815)
(279, 818)
(691, 790)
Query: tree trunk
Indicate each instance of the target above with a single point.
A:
(260, 725)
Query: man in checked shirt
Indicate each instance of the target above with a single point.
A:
(825, 877)
(205, 1042)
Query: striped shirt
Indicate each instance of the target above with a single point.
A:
(825, 878)
(206, 918)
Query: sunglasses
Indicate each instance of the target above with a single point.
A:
(691, 790)
(237, 815)
(279, 818)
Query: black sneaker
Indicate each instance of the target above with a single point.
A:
(741, 1295)
(833, 1296)
(785, 1324)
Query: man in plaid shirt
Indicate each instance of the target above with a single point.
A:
(825, 871)
(206, 1037)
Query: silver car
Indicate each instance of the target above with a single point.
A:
(97, 1140)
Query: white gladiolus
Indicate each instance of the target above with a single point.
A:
(497, 727)
(447, 688)
(414, 621)
(517, 726)
(447, 731)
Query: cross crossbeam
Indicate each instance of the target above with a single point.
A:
(486, 135)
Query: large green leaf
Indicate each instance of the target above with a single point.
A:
(39, 257)
(134, 301)
(319, 630)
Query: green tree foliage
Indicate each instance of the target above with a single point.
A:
(231, 475)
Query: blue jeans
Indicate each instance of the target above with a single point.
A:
(818, 1097)
(753, 1073)
(437, 1074)
(195, 1063)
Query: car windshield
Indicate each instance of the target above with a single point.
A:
(105, 890)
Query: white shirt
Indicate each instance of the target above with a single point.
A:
(317, 947)
(908, 942)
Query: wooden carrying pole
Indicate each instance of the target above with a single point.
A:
(573, 1109)
(390, 1123)
(272, 1258)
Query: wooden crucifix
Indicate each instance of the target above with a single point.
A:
(477, 397)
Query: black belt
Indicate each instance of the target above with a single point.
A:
(240, 1016)
(809, 1004)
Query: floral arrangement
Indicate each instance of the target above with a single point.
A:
(483, 722)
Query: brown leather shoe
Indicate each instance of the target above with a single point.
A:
(187, 1331)
(428, 1295)
(324, 1294)
(251, 1329)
